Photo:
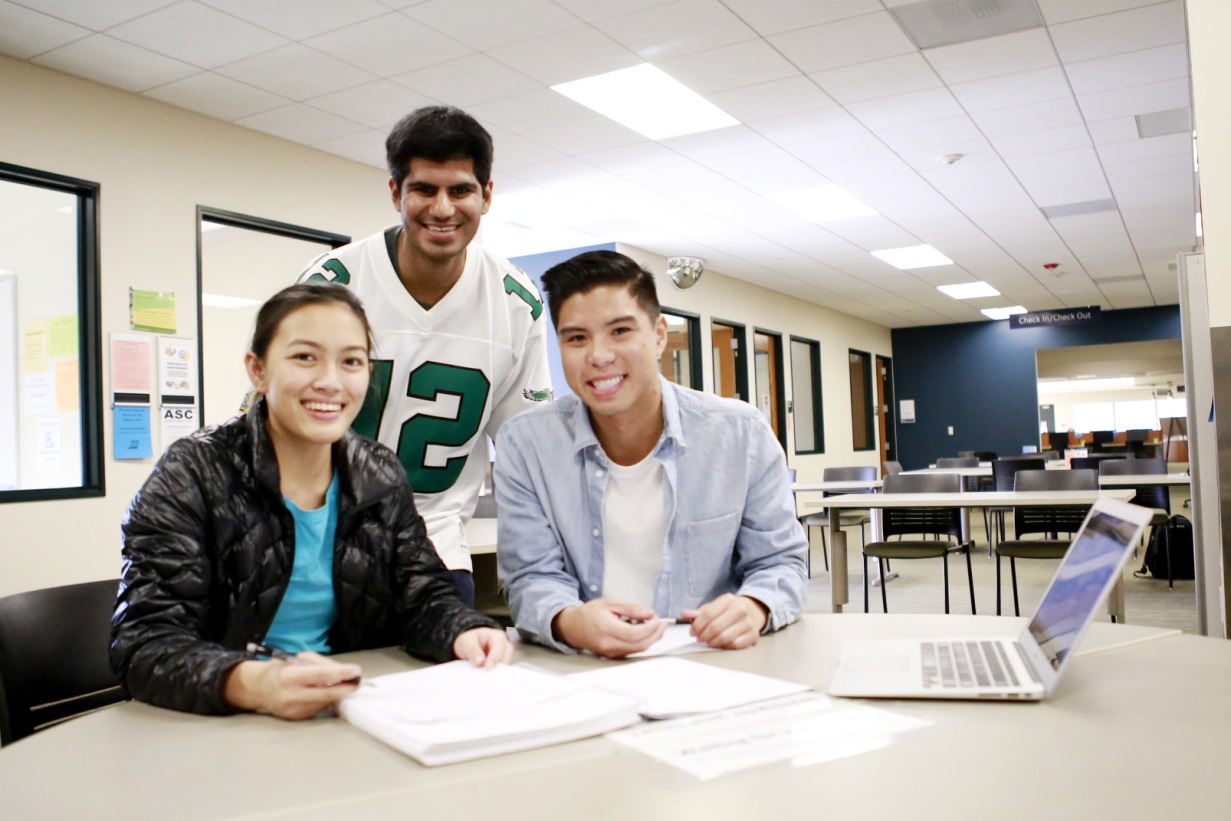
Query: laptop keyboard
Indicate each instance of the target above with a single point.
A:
(963, 664)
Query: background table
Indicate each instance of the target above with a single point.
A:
(1135, 731)
(838, 579)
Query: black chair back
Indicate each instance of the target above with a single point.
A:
(859, 473)
(1092, 462)
(941, 521)
(54, 656)
(1155, 496)
(957, 462)
(892, 468)
(1005, 468)
(1059, 519)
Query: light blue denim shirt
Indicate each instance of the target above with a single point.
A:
(729, 514)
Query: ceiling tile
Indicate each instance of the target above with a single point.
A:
(808, 126)
(1151, 65)
(844, 43)
(772, 182)
(602, 9)
(1171, 145)
(586, 135)
(1028, 119)
(787, 15)
(297, 72)
(776, 98)
(25, 33)
(299, 19)
(106, 60)
(1009, 90)
(1062, 11)
(96, 16)
(720, 69)
(513, 150)
(694, 25)
(736, 139)
(467, 81)
(970, 152)
(197, 34)
(567, 55)
(1129, 102)
(216, 96)
(859, 145)
(1076, 160)
(1115, 130)
(367, 147)
(379, 45)
(993, 57)
(934, 134)
(1155, 25)
(872, 233)
(905, 109)
(301, 123)
(636, 157)
(535, 111)
(488, 24)
(879, 78)
(377, 105)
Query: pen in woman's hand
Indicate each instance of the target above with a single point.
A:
(274, 652)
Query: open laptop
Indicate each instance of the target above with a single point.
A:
(1025, 668)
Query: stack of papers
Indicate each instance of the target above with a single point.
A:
(456, 711)
(673, 687)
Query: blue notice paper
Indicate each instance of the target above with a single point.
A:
(132, 432)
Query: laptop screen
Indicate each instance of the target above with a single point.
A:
(1093, 559)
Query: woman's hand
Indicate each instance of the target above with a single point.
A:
(295, 689)
(483, 647)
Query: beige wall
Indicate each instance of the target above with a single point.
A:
(717, 296)
(1209, 22)
(156, 164)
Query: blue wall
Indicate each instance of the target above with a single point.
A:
(536, 265)
(980, 378)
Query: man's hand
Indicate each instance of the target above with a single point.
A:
(728, 622)
(295, 689)
(483, 647)
(608, 628)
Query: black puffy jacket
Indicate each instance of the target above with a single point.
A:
(208, 550)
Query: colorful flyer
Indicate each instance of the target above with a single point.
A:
(132, 432)
(34, 346)
(152, 311)
(177, 369)
(130, 367)
(68, 385)
(64, 340)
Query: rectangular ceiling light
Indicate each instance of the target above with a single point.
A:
(912, 256)
(648, 101)
(822, 203)
(968, 290)
(943, 22)
(1002, 313)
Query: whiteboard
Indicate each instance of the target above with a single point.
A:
(9, 467)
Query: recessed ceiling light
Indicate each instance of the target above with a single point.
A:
(968, 290)
(647, 100)
(223, 301)
(822, 203)
(1003, 313)
(912, 256)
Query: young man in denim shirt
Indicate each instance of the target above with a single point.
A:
(636, 500)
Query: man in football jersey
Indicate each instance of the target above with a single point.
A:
(636, 500)
(460, 333)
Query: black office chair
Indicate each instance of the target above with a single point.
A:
(1156, 497)
(924, 521)
(893, 467)
(1004, 470)
(847, 518)
(1050, 521)
(54, 661)
(1092, 462)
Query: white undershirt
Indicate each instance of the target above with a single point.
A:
(633, 531)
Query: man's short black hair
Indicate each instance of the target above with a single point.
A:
(438, 133)
(585, 272)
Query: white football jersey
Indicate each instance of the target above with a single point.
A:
(445, 378)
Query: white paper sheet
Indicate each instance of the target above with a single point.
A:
(677, 640)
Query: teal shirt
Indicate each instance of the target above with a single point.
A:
(308, 609)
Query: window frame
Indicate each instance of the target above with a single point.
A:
(818, 415)
(869, 400)
(695, 372)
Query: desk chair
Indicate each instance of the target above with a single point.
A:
(1092, 462)
(1004, 470)
(1051, 521)
(893, 467)
(847, 518)
(1157, 497)
(54, 661)
(925, 521)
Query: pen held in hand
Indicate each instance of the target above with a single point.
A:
(667, 621)
(272, 651)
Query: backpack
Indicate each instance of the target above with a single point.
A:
(1179, 532)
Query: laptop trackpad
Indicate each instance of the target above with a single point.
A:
(876, 664)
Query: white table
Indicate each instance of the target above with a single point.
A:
(1138, 706)
(1142, 479)
(839, 582)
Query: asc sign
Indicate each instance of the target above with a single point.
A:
(1051, 319)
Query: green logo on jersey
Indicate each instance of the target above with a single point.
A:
(537, 396)
(334, 271)
(512, 286)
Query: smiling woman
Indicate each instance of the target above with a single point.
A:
(286, 528)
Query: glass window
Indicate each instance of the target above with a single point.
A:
(1136, 414)
(727, 350)
(681, 359)
(50, 361)
(767, 349)
(806, 395)
(862, 418)
(1088, 416)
